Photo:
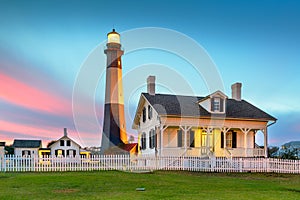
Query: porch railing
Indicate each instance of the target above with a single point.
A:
(247, 152)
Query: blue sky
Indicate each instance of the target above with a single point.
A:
(43, 45)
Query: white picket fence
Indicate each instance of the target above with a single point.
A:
(136, 164)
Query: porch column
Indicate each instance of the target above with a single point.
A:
(266, 141)
(209, 131)
(245, 131)
(162, 129)
(185, 130)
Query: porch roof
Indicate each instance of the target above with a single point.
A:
(177, 105)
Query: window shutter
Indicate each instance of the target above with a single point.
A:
(74, 153)
(144, 114)
(56, 152)
(155, 139)
(179, 138)
(192, 139)
(222, 140)
(221, 105)
(63, 153)
(68, 152)
(150, 139)
(233, 139)
(212, 104)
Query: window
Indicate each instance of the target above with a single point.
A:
(60, 152)
(71, 152)
(149, 112)
(179, 138)
(205, 137)
(62, 143)
(152, 139)
(217, 104)
(230, 141)
(68, 143)
(25, 153)
(144, 114)
(143, 141)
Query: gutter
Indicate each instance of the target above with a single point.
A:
(271, 123)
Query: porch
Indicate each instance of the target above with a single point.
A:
(201, 141)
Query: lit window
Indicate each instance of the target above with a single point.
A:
(229, 140)
(60, 152)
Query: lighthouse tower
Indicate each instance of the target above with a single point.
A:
(114, 128)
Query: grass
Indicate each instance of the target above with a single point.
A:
(158, 185)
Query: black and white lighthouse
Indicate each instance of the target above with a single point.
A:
(114, 127)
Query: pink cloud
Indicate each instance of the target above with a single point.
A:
(21, 94)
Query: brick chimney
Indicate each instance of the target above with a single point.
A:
(151, 85)
(65, 132)
(236, 91)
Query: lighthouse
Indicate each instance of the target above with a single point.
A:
(114, 127)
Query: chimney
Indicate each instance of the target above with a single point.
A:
(65, 132)
(151, 85)
(236, 91)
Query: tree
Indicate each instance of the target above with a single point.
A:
(131, 139)
(273, 152)
(9, 149)
(291, 154)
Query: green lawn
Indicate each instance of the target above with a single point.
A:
(158, 185)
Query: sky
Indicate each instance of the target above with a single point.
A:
(45, 47)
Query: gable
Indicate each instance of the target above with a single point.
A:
(65, 138)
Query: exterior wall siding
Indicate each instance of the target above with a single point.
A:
(33, 151)
(146, 127)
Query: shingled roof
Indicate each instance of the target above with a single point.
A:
(188, 106)
(27, 143)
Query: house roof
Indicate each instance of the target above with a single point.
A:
(129, 147)
(27, 143)
(188, 106)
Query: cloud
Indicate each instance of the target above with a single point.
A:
(24, 95)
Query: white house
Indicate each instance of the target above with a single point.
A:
(214, 125)
(65, 147)
(26, 147)
(2, 151)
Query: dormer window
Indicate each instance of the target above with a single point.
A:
(217, 104)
